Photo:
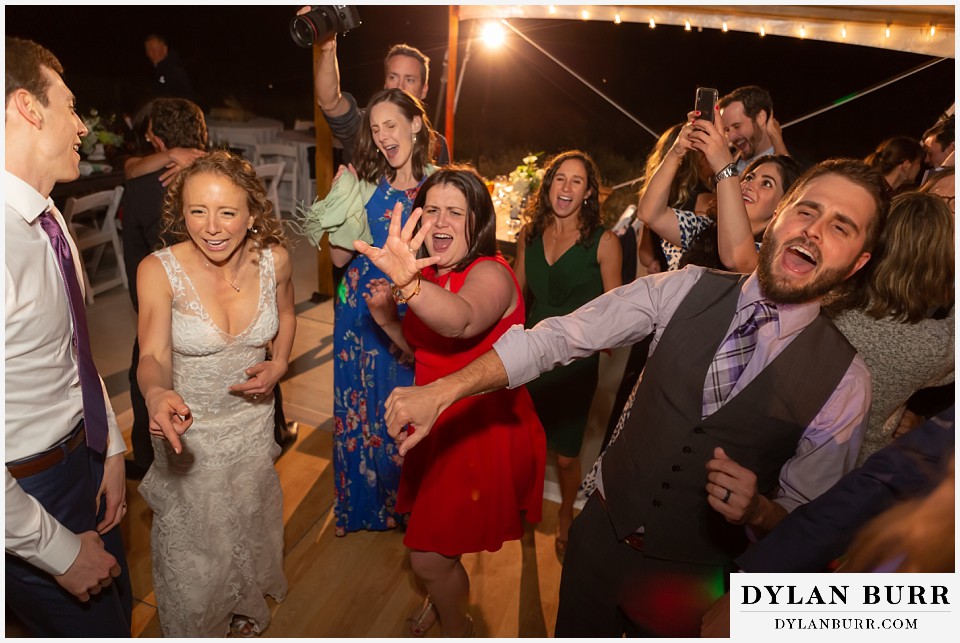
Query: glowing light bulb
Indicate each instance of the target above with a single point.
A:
(493, 35)
(725, 28)
(933, 31)
(653, 24)
(616, 19)
(763, 32)
(886, 32)
(803, 32)
(686, 26)
(584, 15)
(551, 10)
(843, 31)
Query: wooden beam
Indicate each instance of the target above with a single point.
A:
(324, 177)
(453, 34)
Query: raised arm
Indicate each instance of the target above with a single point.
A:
(169, 415)
(487, 294)
(735, 243)
(174, 160)
(654, 208)
(776, 136)
(327, 79)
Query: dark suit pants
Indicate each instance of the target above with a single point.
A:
(68, 491)
(608, 588)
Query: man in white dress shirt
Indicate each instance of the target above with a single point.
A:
(65, 569)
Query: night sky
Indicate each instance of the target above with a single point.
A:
(514, 98)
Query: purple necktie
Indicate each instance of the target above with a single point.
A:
(733, 356)
(94, 410)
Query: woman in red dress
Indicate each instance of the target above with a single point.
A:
(472, 481)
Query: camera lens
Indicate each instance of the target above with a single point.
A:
(303, 31)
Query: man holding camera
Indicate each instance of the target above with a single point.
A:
(404, 67)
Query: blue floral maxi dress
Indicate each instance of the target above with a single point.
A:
(366, 464)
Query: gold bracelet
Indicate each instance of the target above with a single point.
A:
(399, 298)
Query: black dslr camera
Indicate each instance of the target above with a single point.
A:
(322, 21)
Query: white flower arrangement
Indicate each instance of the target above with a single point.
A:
(97, 134)
(522, 182)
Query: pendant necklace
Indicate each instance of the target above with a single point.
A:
(232, 284)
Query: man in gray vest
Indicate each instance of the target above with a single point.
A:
(751, 404)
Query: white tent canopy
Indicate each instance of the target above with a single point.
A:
(919, 29)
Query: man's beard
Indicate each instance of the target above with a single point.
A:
(754, 141)
(781, 290)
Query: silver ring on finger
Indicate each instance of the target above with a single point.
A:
(726, 497)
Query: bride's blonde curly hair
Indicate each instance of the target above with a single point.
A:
(267, 229)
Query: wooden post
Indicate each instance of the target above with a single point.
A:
(324, 173)
(453, 33)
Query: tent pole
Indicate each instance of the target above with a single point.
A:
(452, 36)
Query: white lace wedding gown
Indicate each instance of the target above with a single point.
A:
(217, 539)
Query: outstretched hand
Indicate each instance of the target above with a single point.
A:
(411, 412)
(706, 137)
(170, 417)
(398, 256)
(380, 301)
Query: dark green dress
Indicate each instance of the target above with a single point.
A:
(563, 396)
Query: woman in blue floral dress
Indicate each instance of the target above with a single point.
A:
(393, 157)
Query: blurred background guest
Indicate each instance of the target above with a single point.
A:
(898, 160)
(886, 313)
(169, 76)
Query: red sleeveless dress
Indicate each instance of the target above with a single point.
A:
(468, 484)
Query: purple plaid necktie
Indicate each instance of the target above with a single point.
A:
(733, 356)
(94, 410)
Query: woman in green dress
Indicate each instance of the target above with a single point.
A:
(566, 258)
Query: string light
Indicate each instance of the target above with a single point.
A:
(653, 24)
(585, 15)
(686, 25)
(886, 32)
(843, 31)
(933, 30)
(616, 19)
(803, 32)
(552, 9)
(725, 28)
(763, 32)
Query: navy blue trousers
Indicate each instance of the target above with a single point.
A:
(68, 491)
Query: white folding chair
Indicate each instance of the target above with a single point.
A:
(247, 144)
(270, 174)
(277, 152)
(91, 231)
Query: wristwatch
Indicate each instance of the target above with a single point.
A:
(727, 172)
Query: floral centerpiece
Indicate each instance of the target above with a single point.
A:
(99, 135)
(523, 182)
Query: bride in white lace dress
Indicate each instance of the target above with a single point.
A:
(209, 306)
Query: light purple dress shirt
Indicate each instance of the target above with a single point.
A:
(828, 446)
